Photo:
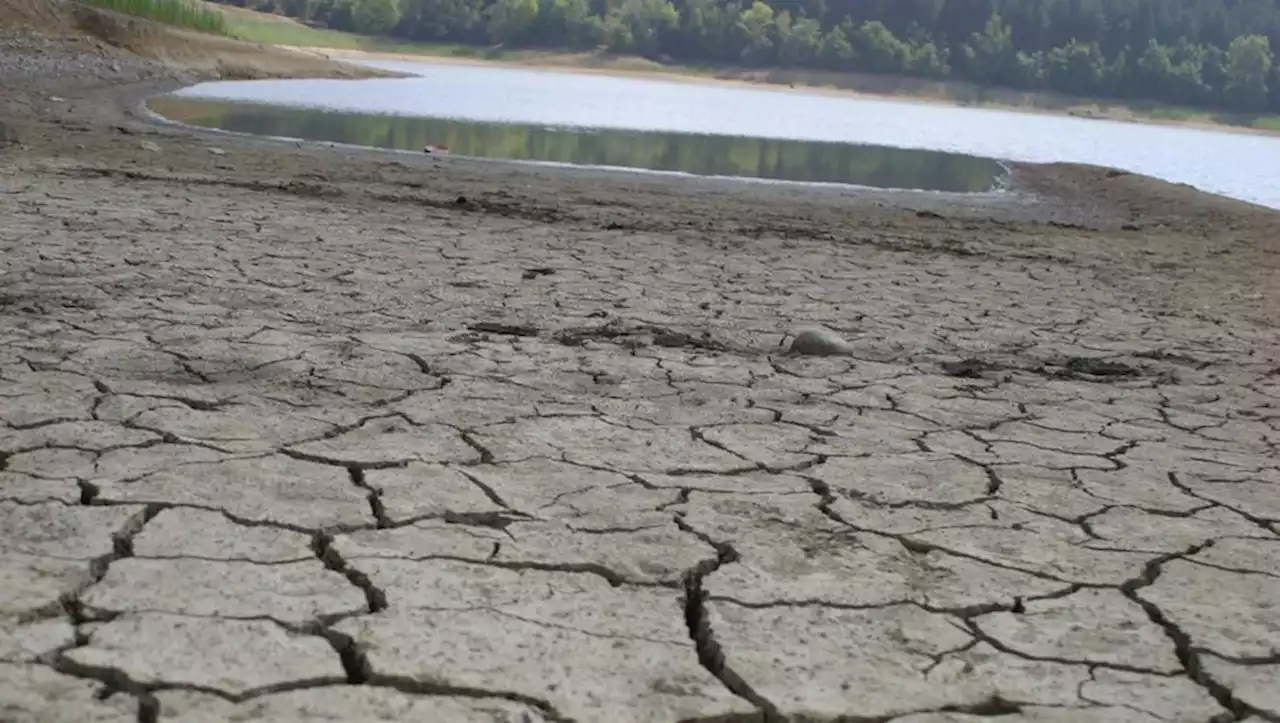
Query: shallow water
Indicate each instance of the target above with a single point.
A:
(1245, 166)
(698, 154)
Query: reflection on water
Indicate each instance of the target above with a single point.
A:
(698, 154)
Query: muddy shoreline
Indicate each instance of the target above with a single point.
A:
(1061, 211)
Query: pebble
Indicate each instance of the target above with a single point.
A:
(34, 62)
(819, 342)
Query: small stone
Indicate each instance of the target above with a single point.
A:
(819, 342)
(149, 146)
(217, 151)
(7, 135)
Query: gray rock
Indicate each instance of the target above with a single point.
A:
(149, 146)
(817, 341)
(7, 134)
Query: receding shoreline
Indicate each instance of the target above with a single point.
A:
(187, 112)
(1099, 193)
(356, 58)
(802, 81)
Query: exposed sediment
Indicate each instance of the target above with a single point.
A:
(286, 433)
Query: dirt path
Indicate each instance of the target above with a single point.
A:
(296, 433)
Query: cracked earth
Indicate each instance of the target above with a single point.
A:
(343, 452)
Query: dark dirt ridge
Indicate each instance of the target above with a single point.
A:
(288, 433)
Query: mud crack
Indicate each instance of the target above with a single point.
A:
(698, 621)
(374, 496)
(1186, 653)
(322, 546)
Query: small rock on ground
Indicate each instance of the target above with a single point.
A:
(819, 342)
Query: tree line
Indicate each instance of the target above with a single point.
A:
(1208, 53)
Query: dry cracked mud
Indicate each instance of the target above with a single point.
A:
(333, 452)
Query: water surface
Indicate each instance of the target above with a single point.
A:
(699, 154)
(1245, 166)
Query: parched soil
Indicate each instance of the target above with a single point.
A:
(295, 433)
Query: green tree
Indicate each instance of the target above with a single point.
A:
(990, 55)
(880, 50)
(458, 20)
(335, 13)
(648, 21)
(1274, 86)
(800, 41)
(836, 51)
(1155, 67)
(1214, 73)
(1173, 72)
(1077, 68)
(616, 32)
(510, 20)
(708, 29)
(569, 22)
(375, 17)
(757, 26)
(1028, 70)
(1249, 61)
(924, 58)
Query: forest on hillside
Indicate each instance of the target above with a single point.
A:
(1207, 53)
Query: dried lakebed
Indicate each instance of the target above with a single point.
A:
(293, 435)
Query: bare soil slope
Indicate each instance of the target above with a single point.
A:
(49, 16)
(110, 33)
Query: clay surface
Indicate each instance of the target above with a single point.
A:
(290, 434)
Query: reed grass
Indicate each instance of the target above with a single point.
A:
(277, 30)
(189, 14)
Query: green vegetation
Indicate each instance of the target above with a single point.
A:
(1267, 123)
(1170, 114)
(273, 30)
(1216, 54)
(180, 13)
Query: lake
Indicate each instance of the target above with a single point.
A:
(689, 153)
(721, 129)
